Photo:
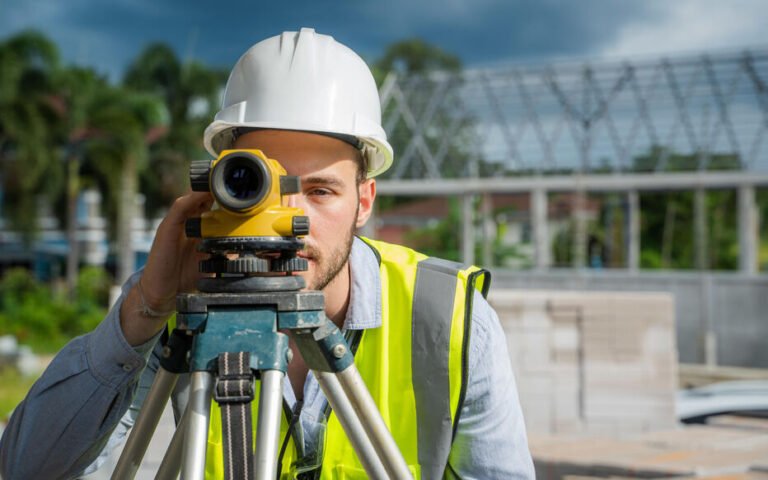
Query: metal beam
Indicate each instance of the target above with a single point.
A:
(540, 227)
(486, 215)
(633, 231)
(748, 230)
(468, 230)
(580, 243)
(567, 183)
(701, 232)
(655, 115)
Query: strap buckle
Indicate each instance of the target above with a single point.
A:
(234, 388)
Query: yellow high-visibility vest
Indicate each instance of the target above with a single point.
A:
(414, 365)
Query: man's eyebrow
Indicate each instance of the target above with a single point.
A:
(322, 181)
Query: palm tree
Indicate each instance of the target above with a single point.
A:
(29, 162)
(77, 88)
(191, 93)
(122, 125)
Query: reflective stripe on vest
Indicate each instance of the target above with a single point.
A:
(432, 365)
(414, 365)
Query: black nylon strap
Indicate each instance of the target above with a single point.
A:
(234, 393)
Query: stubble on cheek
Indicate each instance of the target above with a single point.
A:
(329, 265)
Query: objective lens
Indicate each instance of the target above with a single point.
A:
(240, 181)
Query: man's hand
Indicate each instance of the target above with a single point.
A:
(172, 268)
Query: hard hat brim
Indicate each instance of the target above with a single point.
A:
(219, 136)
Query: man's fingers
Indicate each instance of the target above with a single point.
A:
(189, 205)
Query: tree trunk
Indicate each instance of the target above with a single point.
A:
(126, 257)
(73, 253)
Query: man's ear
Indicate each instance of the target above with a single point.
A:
(367, 194)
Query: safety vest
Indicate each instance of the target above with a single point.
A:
(414, 365)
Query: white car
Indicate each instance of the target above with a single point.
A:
(743, 397)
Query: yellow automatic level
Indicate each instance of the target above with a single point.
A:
(249, 189)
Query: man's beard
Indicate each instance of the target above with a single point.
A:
(329, 267)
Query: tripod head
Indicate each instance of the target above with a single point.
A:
(252, 236)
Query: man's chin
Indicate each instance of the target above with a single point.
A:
(309, 275)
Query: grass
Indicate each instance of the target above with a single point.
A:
(13, 389)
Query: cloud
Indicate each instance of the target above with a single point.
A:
(108, 35)
(692, 26)
(84, 32)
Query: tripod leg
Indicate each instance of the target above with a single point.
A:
(171, 464)
(268, 428)
(195, 443)
(362, 403)
(351, 424)
(146, 423)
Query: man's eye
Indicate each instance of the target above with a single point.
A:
(320, 192)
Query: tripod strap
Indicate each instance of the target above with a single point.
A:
(234, 393)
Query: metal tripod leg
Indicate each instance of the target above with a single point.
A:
(351, 424)
(268, 428)
(171, 464)
(145, 425)
(324, 349)
(374, 426)
(195, 443)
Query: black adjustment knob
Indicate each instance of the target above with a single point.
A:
(193, 227)
(235, 265)
(292, 264)
(248, 265)
(199, 173)
(214, 265)
(300, 225)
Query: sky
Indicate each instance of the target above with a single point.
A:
(107, 35)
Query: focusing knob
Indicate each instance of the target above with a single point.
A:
(199, 175)
(292, 264)
(300, 225)
(237, 265)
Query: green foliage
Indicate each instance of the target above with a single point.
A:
(668, 236)
(190, 91)
(414, 56)
(761, 198)
(662, 159)
(503, 254)
(15, 388)
(442, 239)
(28, 118)
(562, 244)
(418, 61)
(42, 316)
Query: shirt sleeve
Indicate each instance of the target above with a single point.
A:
(69, 414)
(491, 441)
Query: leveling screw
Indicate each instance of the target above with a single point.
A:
(339, 351)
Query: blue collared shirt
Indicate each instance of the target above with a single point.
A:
(88, 398)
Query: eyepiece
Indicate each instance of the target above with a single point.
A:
(240, 181)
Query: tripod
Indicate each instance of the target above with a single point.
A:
(237, 319)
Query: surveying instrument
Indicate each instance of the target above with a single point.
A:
(230, 335)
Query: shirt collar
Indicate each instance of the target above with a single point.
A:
(364, 309)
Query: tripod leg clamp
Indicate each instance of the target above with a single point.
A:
(234, 383)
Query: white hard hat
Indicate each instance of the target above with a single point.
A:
(307, 82)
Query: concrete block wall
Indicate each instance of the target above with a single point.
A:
(592, 362)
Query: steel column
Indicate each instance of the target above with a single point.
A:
(748, 230)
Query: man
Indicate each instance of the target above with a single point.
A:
(312, 104)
